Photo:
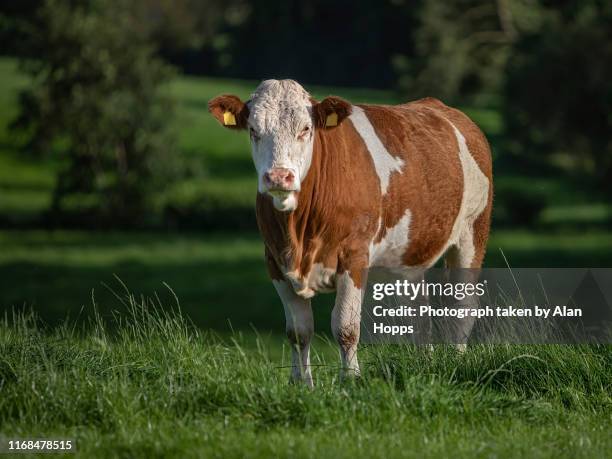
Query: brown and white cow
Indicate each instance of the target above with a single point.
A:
(346, 187)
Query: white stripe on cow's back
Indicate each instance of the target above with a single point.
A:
(384, 162)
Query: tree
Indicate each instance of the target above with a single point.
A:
(346, 42)
(97, 98)
(558, 95)
(460, 50)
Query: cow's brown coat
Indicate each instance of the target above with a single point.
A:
(337, 211)
(340, 201)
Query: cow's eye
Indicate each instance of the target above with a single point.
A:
(304, 132)
(253, 134)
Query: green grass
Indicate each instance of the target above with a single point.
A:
(155, 386)
(220, 278)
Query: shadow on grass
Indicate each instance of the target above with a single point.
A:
(219, 278)
(211, 295)
(549, 258)
(220, 295)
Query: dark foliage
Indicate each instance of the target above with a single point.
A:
(96, 100)
(558, 94)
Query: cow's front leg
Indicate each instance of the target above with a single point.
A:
(346, 320)
(300, 328)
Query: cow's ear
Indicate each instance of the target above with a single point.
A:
(330, 112)
(230, 111)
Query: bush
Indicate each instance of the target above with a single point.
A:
(97, 99)
(518, 207)
(558, 91)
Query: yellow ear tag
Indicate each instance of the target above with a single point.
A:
(331, 120)
(229, 119)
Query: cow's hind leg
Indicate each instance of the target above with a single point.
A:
(346, 321)
(464, 260)
(300, 329)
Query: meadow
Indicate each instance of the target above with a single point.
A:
(81, 357)
(154, 386)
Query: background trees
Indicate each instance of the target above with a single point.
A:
(558, 91)
(100, 69)
(97, 100)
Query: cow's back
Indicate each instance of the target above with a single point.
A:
(476, 141)
(481, 152)
(429, 190)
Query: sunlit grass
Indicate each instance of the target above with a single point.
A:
(153, 385)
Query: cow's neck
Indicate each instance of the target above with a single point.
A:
(292, 236)
(301, 224)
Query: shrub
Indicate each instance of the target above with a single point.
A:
(97, 99)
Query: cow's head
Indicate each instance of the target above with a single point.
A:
(281, 118)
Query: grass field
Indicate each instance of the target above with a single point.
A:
(132, 382)
(154, 386)
(220, 278)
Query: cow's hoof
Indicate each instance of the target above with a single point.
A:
(461, 348)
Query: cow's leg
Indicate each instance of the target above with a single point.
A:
(470, 250)
(300, 329)
(466, 257)
(480, 233)
(346, 321)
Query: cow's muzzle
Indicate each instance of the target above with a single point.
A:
(280, 179)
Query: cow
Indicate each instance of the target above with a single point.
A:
(343, 188)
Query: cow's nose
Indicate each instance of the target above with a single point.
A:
(279, 178)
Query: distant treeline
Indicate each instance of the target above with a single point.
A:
(544, 65)
(456, 49)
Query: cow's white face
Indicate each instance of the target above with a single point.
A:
(281, 119)
(281, 129)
